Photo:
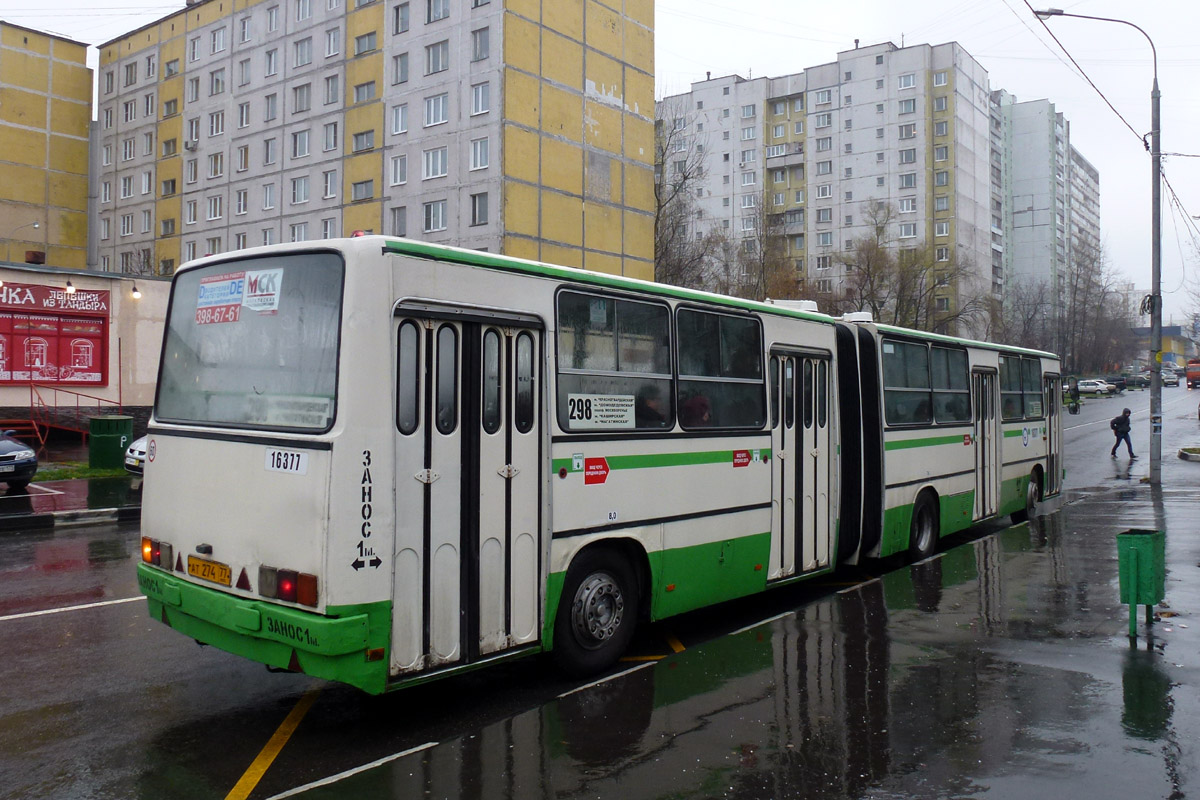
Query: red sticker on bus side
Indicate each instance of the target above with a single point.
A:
(741, 458)
(595, 470)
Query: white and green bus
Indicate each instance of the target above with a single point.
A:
(380, 461)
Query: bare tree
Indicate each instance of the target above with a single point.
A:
(766, 269)
(1096, 323)
(679, 257)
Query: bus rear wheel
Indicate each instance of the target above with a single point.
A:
(923, 535)
(597, 612)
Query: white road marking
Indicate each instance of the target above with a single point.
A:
(101, 604)
(351, 772)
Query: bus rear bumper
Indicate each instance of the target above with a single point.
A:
(347, 644)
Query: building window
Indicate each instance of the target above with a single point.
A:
(939, 103)
(364, 92)
(216, 123)
(824, 96)
(331, 136)
(171, 68)
(822, 120)
(400, 118)
(127, 224)
(215, 209)
(128, 151)
(191, 170)
(479, 209)
(193, 129)
(908, 230)
(168, 187)
(824, 215)
(749, 178)
(400, 18)
(400, 68)
(148, 106)
(272, 19)
(908, 180)
(129, 110)
(908, 131)
(333, 42)
(244, 28)
(908, 105)
(270, 107)
(941, 203)
(166, 227)
(301, 98)
(939, 79)
(479, 153)
(941, 229)
(824, 143)
(942, 254)
(399, 170)
(242, 201)
(481, 101)
(331, 89)
(216, 81)
(824, 167)
(941, 128)
(271, 62)
(300, 190)
(941, 153)
(189, 212)
(908, 205)
(217, 40)
(243, 115)
(329, 179)
(362, 190)
(299, 144)
(268, 197)
(243, 72)
(749, 133)
(108, 118)
(303, 9)
(824, 191)
(170, 107)
(364, 43)
(941, 178)
(302, 52)
(106, 155)
(908, 81)
(437, 57)
(126, 187)
(480, 44)
(435, 216)
(908, 156)
(825, 239)
(364, 140)
(434, 163)
(299, 231)
(399, 221)
(436, 9)
(269, 151)
(328, 228)
(216, 165)
(436, 109)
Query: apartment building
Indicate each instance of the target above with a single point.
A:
(45, 114)
(907, 128)
(516, 126)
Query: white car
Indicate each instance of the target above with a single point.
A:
(1095, 387)
(1169, 378)
(135, 456)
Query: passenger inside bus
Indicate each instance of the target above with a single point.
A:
(696, 412)
(650, 408)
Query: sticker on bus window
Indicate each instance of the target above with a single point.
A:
(262, 290)
(219, 298)
(599, 411)
(290, 412)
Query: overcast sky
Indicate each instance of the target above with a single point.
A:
(775, 37)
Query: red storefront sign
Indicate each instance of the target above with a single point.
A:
(48, 335)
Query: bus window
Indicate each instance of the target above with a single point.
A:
(1011, 403)
(491, 381)
(906, 383)
(616, 355)
(720, 370)
(1031, 387)
(408, 377)
(807, 393)
(773, 397)
(951, 396)
(822, 395)
(447, 379)
(524, 407)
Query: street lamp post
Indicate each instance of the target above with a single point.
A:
(8, 240)
(1155, 250)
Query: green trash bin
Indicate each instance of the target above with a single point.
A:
(1142, 570)
(108, 437)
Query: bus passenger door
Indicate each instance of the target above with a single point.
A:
(467, 442)
(987, 454)
(1053, 406)
(813, 478)
(785, 458)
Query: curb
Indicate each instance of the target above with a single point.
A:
(1189, 456)
(65, 519)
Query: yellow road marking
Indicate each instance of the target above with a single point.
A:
(259, 767)
(642, 658)
(676, 645)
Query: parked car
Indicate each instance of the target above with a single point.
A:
(1139, 380)
(18, 461)
(1169, 378)
(1117, 381)
(135, 456)
(1093, 387)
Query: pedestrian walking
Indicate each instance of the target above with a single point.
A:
(1120, 428)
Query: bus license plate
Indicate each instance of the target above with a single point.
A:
(207, 570)
(287, 461)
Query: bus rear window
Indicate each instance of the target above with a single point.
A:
(254, 344)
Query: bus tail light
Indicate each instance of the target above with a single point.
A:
(150, 554)
(288, 585)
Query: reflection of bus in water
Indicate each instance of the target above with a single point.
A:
(433, 459)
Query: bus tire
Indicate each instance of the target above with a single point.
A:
(597, 612)
(923, 533)
(1032, 494)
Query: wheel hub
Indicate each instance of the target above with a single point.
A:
(598, 609)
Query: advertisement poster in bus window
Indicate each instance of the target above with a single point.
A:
(219, 298)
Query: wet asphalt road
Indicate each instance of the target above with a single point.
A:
(999, 668)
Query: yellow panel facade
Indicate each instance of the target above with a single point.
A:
(367, 117)
(20, 39)
(562, 218)
(604, 78)
(69, 155)
(26, 71)
(368, 166)
(70, 257)
(636, 268)
(602, 262)
(22, 183)
(27, 109)
(562, 113)
(521, 209)
(562, 256)
(72, 81)
(602, 126)
(639, 139)
(639, 183)
(562, 60)
(564, 18)
(602, 227)
(522, 99)
(530, 9)
(70, 118)
(641, 11)
(521, 154)
(639, 234)
(364, 20)
(363, 69)
(25, 147)
(522, 44)
(363, 216)
(639, 47)
(68, 191)
(562, 166)
(519, 247)
(605, 29)
(68, 227)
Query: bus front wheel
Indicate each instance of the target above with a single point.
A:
(597, 612)
(1032, 494)
(923, 536)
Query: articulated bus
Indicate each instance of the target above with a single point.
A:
(380, 461)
